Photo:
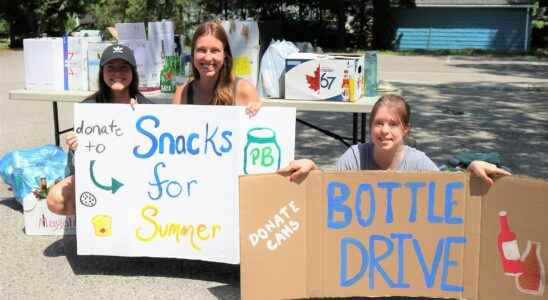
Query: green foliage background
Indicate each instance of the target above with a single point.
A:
(331, 24)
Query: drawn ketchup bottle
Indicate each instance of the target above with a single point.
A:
(508, 248)
(533, 278)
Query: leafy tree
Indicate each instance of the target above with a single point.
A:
(109, 12)
(331, 24)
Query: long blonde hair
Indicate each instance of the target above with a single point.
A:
(224, 87)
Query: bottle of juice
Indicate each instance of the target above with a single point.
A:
(43, 193)
(351, 89)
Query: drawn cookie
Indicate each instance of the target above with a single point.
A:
(88, 199)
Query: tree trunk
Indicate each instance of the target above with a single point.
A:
(383, 31)
(341, 24)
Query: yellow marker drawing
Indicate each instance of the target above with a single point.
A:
(241, 66)
(102, 225)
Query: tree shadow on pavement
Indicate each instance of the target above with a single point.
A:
(449, 119)
(520, 69)
(143, 266)
(483, 117)
(226, 292)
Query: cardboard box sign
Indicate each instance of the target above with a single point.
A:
(310, 76)
(431, 234)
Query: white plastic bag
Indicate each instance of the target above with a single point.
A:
(273, 68)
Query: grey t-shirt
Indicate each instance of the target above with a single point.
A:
(413, 160)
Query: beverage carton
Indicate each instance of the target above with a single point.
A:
(310, 76)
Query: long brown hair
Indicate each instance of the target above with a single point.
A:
(224, 87)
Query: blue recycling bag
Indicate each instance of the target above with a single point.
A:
(22, 169)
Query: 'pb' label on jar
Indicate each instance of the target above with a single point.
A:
(261, 153)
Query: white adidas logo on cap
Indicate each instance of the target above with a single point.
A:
(117, 49)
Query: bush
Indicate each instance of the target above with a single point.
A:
(4, 29)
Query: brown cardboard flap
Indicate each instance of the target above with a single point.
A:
(525, 200)
(273, 238)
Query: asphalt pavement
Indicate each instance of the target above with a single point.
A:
(458, 104)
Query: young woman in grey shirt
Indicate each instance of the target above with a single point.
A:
(389, 125)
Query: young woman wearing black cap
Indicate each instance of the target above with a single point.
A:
(118, 83)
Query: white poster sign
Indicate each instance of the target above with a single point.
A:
(162, 34)
(162, 180)
(94, 52)
(147, 64)
(243, 37)
(44, 64)
(131, 31)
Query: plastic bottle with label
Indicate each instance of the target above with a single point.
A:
(345, 88)
(351, 89)
(43, 193)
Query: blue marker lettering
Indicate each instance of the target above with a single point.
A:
(374, 261)
(401, 237)
(180, 144)
(389, 186)
(359, 215)
(432, 218)
(171, 143)
(158, 182)
(190, 145)
(450, 203)
(345, 243)
(337, 193)
(154, 143)
(226, 136)
(414, 187)
(209, 140)
(450, 263)
(429, 275)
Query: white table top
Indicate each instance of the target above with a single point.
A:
(362, 105)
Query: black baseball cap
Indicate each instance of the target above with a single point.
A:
(118, 52)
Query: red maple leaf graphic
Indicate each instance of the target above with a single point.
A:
(314, 81)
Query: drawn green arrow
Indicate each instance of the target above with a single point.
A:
(114, 186)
